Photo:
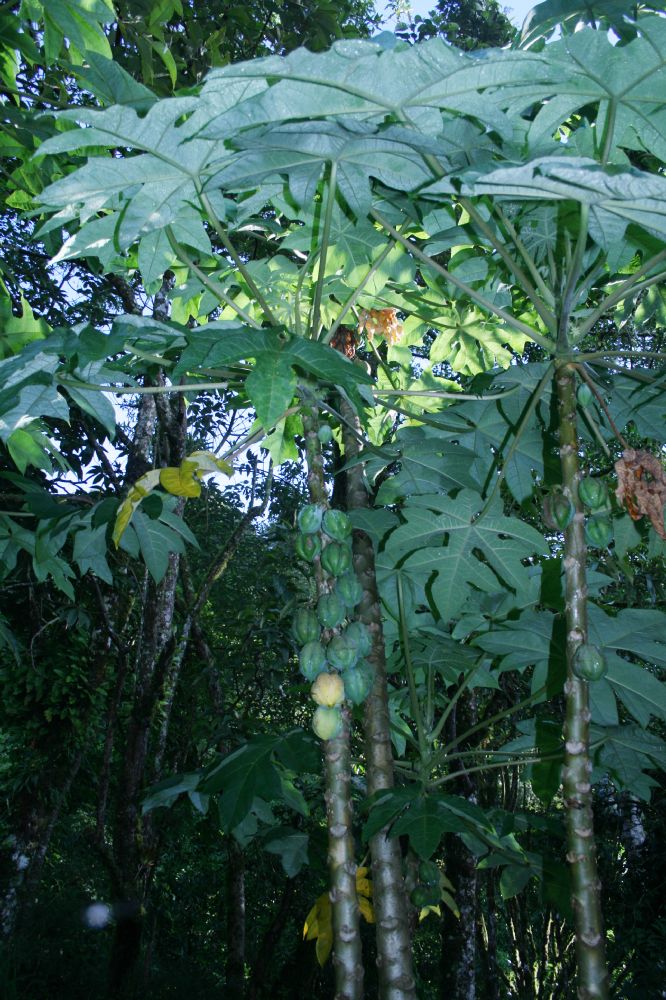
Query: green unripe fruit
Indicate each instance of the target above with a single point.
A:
(327, 722)
(331, 611)
(305, 627)
(328, 689)
(342, 652)
(589, 663)
(309, 518)
(584, 395)
(337, 525)
(358, 682)
(325, 434)
(558, 511)
(312, 660)
(592, 492)
(336, 559)
(361, 636)
(429, 873)
(308, 547)
(425, 895)
(599, 532)
(349, 590)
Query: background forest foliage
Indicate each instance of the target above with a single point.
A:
(257, 268)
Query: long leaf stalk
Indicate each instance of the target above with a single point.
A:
(462, 286)
(581, 853)
(235, 256)
(347, 957)
(411, 680)
(394, 949)
(546, 314)
(358, 291)
(524, 421)
(315, 325)
(211, 285)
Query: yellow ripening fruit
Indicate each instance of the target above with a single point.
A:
(328, 689)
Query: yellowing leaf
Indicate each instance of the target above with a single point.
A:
(324, 944)
(181, 481)
(319, 914)
(319, 921)
(363, 883)
(123, 518)
(367, 912)
(425, 911)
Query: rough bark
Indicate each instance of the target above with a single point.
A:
(581, 853)
(394, 949)
(459, 936)
(133, 844)
(235, 964)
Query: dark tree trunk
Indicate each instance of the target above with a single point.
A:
(133, 841)
(235, 964)
(261, 979)
(459, 935)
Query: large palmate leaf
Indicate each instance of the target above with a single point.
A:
(627, 753)
(427, 464)
(488, 430)
(615, 198)
(357, 151)
(153, 189)
(364, 80)
(256, 769)
(642, 404)
(463, 550)
(545, 17)
(426, 818)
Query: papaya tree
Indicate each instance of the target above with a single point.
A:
(496, 214)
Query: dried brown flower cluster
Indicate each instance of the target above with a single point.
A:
(641, 487)
(382, 322)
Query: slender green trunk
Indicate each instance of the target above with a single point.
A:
(394, 947)
(581, 853)
(347, 958)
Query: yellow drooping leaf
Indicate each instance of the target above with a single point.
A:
(181, 481)
(425, 911)
(324, 944)
(367, 911)
(319, 921)
(123, 518)
(322, 908)
(363, 883)
(319, 925)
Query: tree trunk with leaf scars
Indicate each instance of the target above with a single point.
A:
(347, 957)
(581, 852)
(394, 949)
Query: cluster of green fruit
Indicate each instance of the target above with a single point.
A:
(429, 890)
(559, 512)
(337, 668)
